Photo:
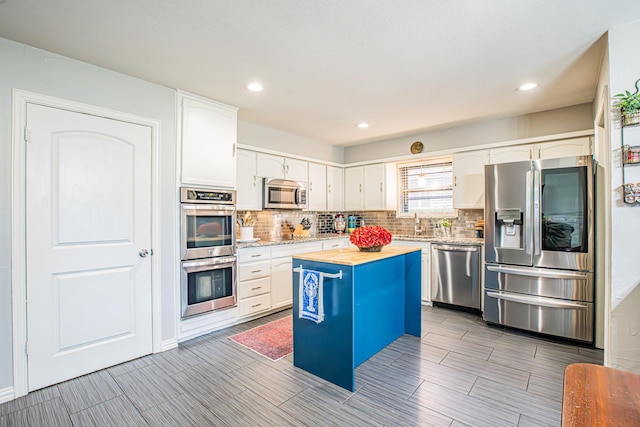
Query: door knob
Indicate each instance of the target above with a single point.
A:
(143, 253)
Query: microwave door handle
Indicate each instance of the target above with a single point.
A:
(527, 213)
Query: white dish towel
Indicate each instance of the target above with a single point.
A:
(310, 304)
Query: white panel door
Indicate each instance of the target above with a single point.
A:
(468, 179)
(353, 195)
(88, 216)
(515, 153)
(248, 184)
(374, 176)
(335, 188)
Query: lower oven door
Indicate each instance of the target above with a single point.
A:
(552, 316)
(207, 285)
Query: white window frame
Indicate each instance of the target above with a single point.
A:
(426, 163)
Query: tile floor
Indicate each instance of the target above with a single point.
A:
(460, 373)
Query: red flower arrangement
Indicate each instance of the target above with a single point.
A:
(370, 236)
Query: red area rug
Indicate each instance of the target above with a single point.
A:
(273, 340)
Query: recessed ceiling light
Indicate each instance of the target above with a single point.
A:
(363, 125)
(527, 86)
(254, 87)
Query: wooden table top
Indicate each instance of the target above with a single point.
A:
(595, 395)
(352, 255)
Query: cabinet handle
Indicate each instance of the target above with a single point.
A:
(256, 305)
(329, 188)
(254, 180)
(255, 271)
(539, 152)
(311, 186)
(287, 168)
(234, 150)
(530, 154)
(381, 187)
(256, 288)
(256, 255)
(360, 188)
(455, 181)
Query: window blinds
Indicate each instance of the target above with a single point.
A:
(426, 187)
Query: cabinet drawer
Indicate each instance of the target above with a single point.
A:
(253, 270)
(335, 244)
(251, 288)
(253, 254)
(254, 305)
(295, 249)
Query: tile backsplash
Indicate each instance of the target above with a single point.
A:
(274, 224)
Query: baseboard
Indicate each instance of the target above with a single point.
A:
(6, 394)
(168, 344)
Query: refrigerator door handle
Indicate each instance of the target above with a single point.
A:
(537, 220)
(539, 301)
(527, 215)
(551, 274)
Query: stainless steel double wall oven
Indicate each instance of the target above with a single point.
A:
(208, 250)
(539, 246)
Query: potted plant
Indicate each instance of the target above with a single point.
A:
(629, 104)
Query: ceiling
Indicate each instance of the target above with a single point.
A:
(403, 66)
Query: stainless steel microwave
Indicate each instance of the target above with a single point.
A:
(284, 194)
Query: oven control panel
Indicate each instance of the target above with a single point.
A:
(201, 195)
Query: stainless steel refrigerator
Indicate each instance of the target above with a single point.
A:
(539, 248)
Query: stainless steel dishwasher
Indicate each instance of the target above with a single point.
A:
(455, 275)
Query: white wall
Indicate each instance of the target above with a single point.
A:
(624, 328)
(34, 70)
(561, 120)
(272, 139)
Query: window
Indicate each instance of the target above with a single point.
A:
(426, 188)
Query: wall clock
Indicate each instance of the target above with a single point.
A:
(417, 147)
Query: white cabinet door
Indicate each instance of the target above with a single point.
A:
(208, 141)
(374, 181)
(468, 179)
(426, 265)
(248, 184)
(295, 170)
(270, 166)
(335, 244)
(514, 153)
(281, 282)
(353, 182)
(563, 148)
(317, 189)
(335, 188)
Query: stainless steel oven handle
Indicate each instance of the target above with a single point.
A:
(537, 199)
(222, 208)
(539, 301)
(554, 274)
(199, 265)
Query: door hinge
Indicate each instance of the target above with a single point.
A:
(27, 135)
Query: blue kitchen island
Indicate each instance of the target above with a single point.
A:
(375, 301)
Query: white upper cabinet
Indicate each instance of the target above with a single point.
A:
(564, 148)
(468, 179)
(353, 188)
(317, 190)
(543, 150)
(374, 180)
(335, 188)
(271, 166)
(208, 142)
(370, 187)
(248, 184)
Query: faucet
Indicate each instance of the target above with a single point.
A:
(417, 228)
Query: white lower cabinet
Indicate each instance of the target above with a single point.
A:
(426, 265)
(254, 280)
(282, 271)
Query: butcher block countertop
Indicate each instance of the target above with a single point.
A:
(353, 256)
(596, 395)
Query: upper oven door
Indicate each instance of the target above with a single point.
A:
(207, 231)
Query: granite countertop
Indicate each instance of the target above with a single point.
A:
(352, 256)
(330, 236)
